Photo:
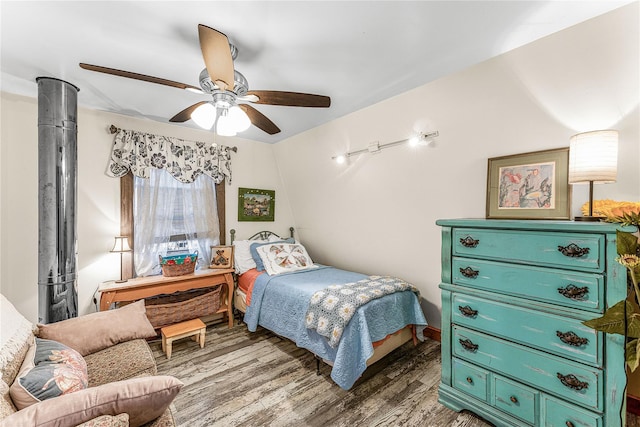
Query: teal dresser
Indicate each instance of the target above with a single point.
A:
(514, 350)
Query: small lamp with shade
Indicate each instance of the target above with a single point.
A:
(593, 157)
(121, 245)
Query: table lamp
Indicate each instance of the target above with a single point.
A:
(121, 246)
(593, 157)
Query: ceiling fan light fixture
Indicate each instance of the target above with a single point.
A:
(224, 128)
(204, 116)
(239, 119)
(224, 125)
(226, 85)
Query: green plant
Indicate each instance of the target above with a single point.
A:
(624, 317)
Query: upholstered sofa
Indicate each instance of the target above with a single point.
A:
(118, 387)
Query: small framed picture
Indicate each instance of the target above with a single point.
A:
(221, 257)
(529, 186)
(256, 205)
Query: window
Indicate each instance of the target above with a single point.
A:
(131, 155)
(172, 217)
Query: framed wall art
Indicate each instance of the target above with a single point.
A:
(529, 186)
(221, 257)
(256, 205)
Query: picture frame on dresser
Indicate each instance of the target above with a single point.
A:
(221, 257)
(531, 185)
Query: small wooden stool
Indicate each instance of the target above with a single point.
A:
(195, 328)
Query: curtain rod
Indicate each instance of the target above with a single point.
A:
(113, 129)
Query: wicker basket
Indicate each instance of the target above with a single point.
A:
(163, 310)
(178, 265)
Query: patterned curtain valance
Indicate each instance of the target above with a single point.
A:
(185, 160)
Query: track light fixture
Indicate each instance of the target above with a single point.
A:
(376, 147)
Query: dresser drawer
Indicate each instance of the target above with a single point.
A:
(574, 382)
(562, 414)
(581, 251)
(470, 379)
(567, 288)
(563, 336)
(515, 399)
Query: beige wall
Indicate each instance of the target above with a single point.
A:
(377, 214)
(98, 196)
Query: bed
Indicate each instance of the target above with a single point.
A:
(282, 301)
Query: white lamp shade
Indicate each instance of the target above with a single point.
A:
(239, 119)
(224, 126)
(204, 116)
(121, 244)
(593, 156)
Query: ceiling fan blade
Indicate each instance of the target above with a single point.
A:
(137, 76)
(217, 56)
(292, 99)
(185, 114)
(259, 120)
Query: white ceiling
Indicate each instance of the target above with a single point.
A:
(356, 52)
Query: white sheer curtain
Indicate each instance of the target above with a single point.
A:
(170, 215)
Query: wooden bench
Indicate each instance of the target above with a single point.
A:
(195, 328)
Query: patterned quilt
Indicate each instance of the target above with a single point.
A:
(331, 309)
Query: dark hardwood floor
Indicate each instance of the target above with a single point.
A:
(259, 379)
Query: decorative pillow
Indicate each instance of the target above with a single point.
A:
(144, 399)
(121, 420)
(253, 248)
(49, 370)
(243, 260)
(96, 331)
(284, 257)
(6, 404)
(16, 335)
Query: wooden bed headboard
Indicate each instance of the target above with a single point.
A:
(260, 235)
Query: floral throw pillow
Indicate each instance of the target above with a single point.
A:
(280, 258)
(253, 248)
(50, 369)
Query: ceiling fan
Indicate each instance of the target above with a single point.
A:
(229, 89)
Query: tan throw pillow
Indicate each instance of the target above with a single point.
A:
(16, 334)
(144, 399)
(6, 404)
(49, 370)
(121, 420)
(97, 331)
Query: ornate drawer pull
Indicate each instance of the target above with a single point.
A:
(468, 344)
(469, 242)
(470, 380)
(573, 250)
(467, 311)
(469, 272)
(572, 381)
(571, 338)
(513, 399)
(569, 424)
(573, 292)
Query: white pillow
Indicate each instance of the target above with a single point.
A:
(243, 261)
(284, 257)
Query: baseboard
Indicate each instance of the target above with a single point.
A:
(633, 404)
(432, 333)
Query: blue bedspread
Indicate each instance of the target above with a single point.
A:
(279, 303)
